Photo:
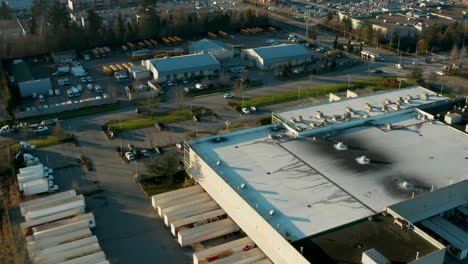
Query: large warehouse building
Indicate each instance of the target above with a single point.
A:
(333, 182)
(183, 67)
(268, 58)
(218, 49)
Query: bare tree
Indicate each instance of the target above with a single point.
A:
(206, 82)
(180, 96)
(167, 164)
(238, 87)
(454, 53)
(224, 78)
(58, 132)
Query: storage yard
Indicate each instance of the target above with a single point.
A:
(57, 229)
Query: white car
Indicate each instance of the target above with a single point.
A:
(399, 66)
(83, 79)
(89, 79)
(145, 152)
(228, 95)
(270, 41)
(253, 108)
(245, 110)
(129, 156)
(41, 129)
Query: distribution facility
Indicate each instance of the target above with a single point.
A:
(183, 67)
(332, 182)
(218, 49)
(267, 58)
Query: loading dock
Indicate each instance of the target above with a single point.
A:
(166, 203)
(222, 251)
(193, 220)
(190, 210)
(206, 232)
(176, 194)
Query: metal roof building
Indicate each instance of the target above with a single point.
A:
(281, 185)
(183, 67)
(274, 56)
(218, 49)
(40, 86)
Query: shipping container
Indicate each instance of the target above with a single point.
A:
(96, 53)
(32, 168)
(160, 54)
(166, 41)
(64, 247)
(141, 45)
(27, 227)
(107, 50)
(212, 35)
(68, 254)
(62, 227)
(131, 46)
(113, 68)
(107, 70)
(223, 34)
(94, 258)
(60, 239)
(36, 187)
(148, 44)
(45, 200)
(153, 42)
(120, 67)
(55, 207)
(180, 40)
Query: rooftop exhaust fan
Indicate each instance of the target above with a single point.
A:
(389, 126)
(299, 118)
(368, 107)
(272, 212)
(318, 115)
(349, 110)
(387, 101)
(363, 160)
(219, 162)
(340, 146)
(425, 96)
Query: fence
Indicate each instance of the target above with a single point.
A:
(63, 108)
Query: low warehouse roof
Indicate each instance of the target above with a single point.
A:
(188, 63)
(282, 53)
(206, 45)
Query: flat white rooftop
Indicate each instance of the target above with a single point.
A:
(305, 116)
(313, 187)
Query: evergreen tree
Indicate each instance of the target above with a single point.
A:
(5, 11)
(335, 42)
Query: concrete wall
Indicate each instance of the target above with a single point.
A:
(255, 226)
(62, 108)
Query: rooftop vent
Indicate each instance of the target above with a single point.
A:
(243, 186)
(293, 120)
(365, 116)
(312, 125)
(272, 212)
(384, 108)
(389, 126)
(424, 96)
(349, 110)
(363, 160)
(399, 100)
(318, 115)
(219, 162)
(397, 107)
(387, 101)
(299, 118)
(335, 118)
(368, 107)
(340, 146)
(345, 115)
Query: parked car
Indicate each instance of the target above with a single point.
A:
(158, 150)
(228, 95)
(253, 108)
(245, 110)
(41, 129)
(83, 79)
(144, 152)
(129, 156)
(399, 66)
(378, 71)
(89, 79)
(90, 86)
(41, 98)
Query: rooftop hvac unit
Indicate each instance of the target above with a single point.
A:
(363, 160)
(384, 108)
(340, 146)
(335, 118)
(318, 115)
(425, 96)
(368, 107)
(299, 118)
(312, 125)
(389, 126)
(365, 116)
(349, 110)
(387, 101)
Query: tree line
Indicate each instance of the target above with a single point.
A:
(437, 37)
(51, 29)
